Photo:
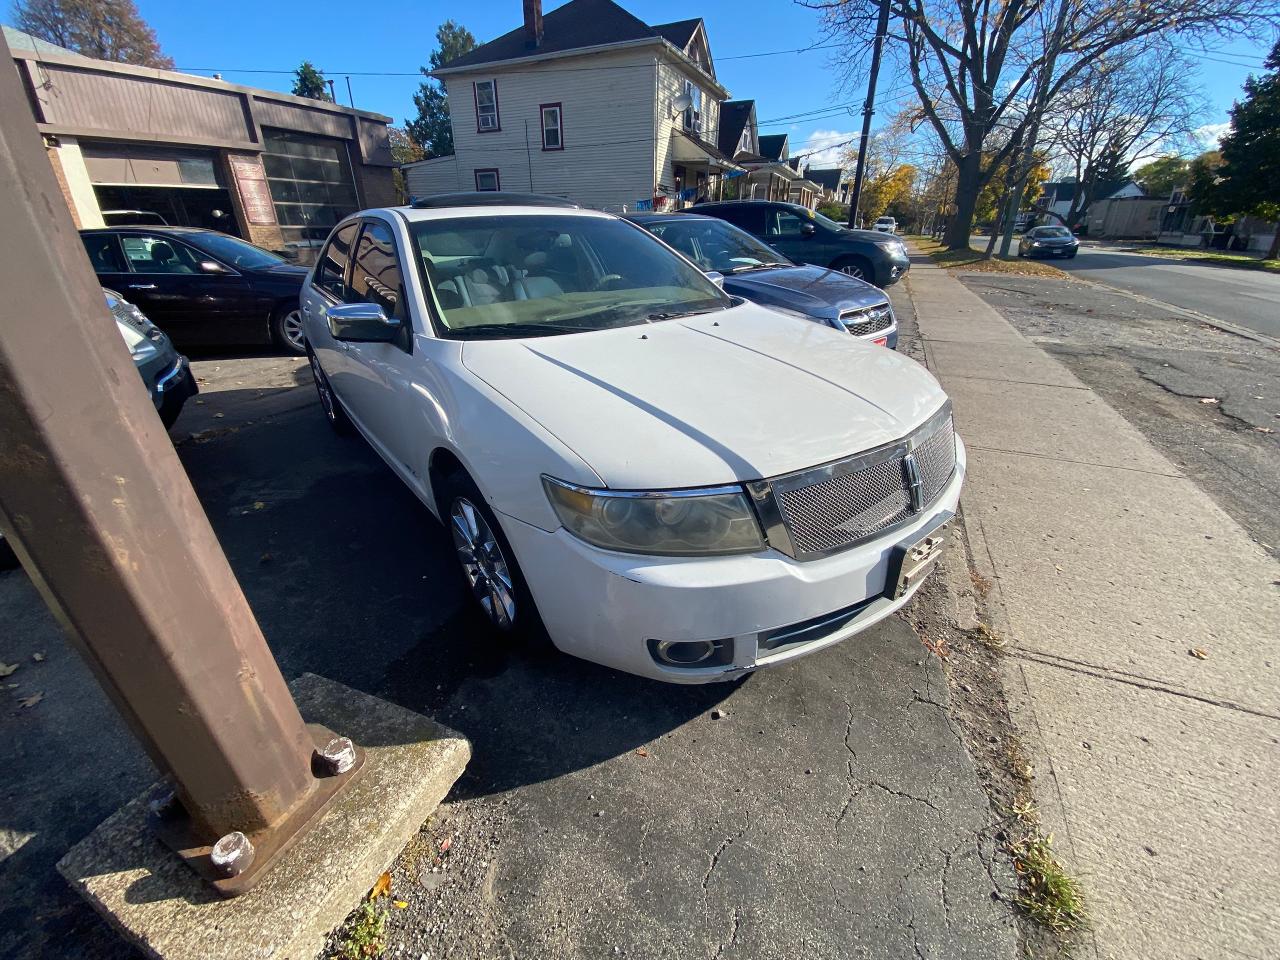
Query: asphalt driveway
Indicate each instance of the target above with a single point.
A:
(826, 808)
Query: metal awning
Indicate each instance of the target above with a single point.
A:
(691, 151)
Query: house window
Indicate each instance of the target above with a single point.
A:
(744, 144)
(488, 179)
(486, 93)
(552, 130)
(693, 116)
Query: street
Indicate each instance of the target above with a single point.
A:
(1245, 298)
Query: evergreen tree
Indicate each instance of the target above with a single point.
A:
(104, 29)
(310, 82)
(1249, 178)
(431, 129)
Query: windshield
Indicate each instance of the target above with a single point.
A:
(530, 275)
(234, 252)
(1051, 232)
(826, 221)
(717, 245)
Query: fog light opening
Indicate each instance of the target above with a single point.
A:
(685, 653)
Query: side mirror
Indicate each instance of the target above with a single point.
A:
(212, 266)
(362, 323)
(716, 277)
(807, 230)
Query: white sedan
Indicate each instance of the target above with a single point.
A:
(658, 476)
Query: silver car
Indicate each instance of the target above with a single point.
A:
(165, 372)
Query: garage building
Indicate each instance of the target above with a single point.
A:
(275, 169)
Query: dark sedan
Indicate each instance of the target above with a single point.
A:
(1048, 242)
(806, 236)
(201, 287)
(756, 272)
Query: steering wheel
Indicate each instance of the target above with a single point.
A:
(607, 279)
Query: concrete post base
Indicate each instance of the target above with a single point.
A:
(162, 907)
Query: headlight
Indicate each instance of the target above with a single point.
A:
(664, 522)
(143, 350)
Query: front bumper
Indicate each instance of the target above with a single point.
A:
(606, 607)
(173, 388)
(1050, 252)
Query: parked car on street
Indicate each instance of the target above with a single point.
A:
(132, 218)
(1048, 242)
(885, 225)
(165, 372)
(806, 236)
(657, 475)
(201, 287)
(756, 271)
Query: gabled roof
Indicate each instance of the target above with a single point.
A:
(677, 34)
(578, 25)
(773, 145)
(828, 178)
(734, 115)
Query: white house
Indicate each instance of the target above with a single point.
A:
(588, 103)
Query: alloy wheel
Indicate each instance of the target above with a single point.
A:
(291, 327)
(483, 563)
(853, 270)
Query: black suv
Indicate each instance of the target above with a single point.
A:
(201, 287)
(805, 236)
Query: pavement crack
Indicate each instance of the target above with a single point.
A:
(902, 794)
(725, 844)
(733, 933)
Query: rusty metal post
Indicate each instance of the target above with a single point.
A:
(107, 524)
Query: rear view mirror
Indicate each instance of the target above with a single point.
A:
(716, 277)
(807, 229)
(362, 323)
(212, 266)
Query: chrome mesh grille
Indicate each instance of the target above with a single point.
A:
(861, 323)
(936, 458)
(836, 511)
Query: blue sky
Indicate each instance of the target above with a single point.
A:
(398, 35)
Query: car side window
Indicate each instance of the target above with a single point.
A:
(150, 253)
(331, 269)
(783, 224)
(750, 219)
(104, 253)
(375, 277)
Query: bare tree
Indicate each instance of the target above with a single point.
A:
(1119, 111)
(979, 66)
(105, 29)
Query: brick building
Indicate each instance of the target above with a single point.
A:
(275, 169)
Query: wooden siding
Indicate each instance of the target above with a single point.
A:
(607, 118)
(670, 85)
(430, 177)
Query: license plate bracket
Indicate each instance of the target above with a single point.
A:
(912, 560)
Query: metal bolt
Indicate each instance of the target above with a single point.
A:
(232, 855)
(337, 756)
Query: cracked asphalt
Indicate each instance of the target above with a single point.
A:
(1208, 399)
(827, 808)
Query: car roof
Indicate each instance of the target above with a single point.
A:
(490, 198)
(420, 214)
(645, 217)
(151, 228)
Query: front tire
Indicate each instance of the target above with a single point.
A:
(286, 330)
(856, 267)
(488, 565)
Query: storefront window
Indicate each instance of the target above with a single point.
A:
(311, 184)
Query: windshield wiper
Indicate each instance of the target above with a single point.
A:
(758, 266)
(677, 314)
(509, 331)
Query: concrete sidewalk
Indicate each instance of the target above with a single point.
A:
(1156, 770)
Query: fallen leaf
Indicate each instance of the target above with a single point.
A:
(38, 657)
(31, 701)
(401, 904)
(382, 888)
(445, 844)
(642, 752)
(7, 668)
(1264, 429)
(1208, 399)
(1200, 653)
(258, 505)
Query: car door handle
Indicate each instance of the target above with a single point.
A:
(142, 286)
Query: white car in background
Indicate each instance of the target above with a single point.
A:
(663, 478)
(886, 225)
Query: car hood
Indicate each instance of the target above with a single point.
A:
(812, 290)
(722, 397)
(1052, 241)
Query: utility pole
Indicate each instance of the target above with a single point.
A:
(882, 28)
(350, 96)
(107, 525)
